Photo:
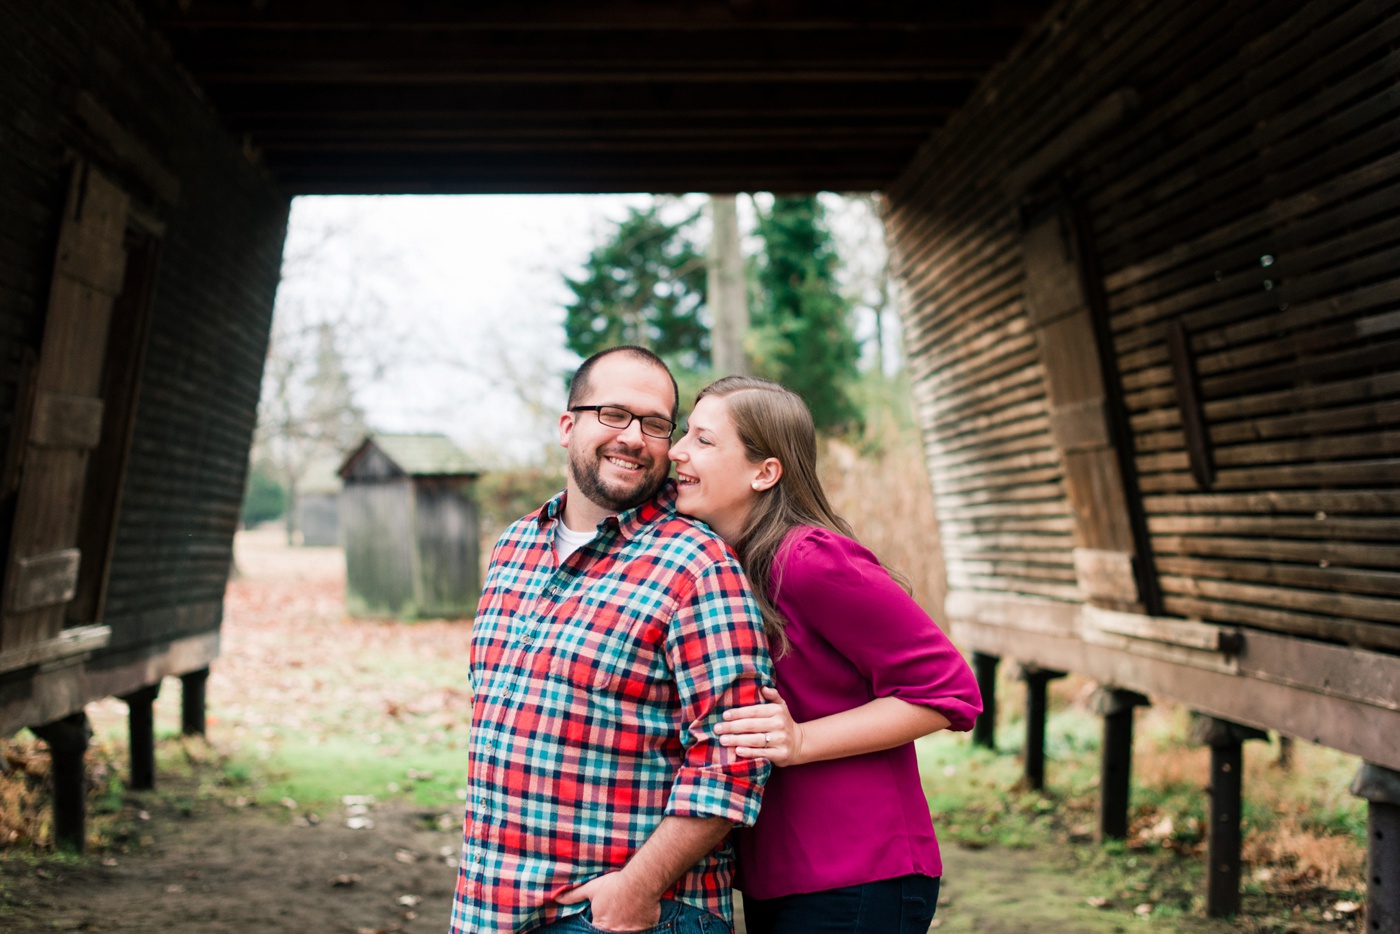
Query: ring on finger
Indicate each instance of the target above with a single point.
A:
(766, 740)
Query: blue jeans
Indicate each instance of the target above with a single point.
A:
(891, 906)
(676, 918)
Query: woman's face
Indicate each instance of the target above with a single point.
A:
(718, 484)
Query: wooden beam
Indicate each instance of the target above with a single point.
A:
(57, 690)
(695, 15)
(282, 151)
(622, 56)
(1282, 683)
(242, 105)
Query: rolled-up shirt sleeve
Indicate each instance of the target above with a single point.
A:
(719, 654)
(842, 593)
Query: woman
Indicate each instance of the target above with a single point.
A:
(844, 841)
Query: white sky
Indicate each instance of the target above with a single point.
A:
(464, 297)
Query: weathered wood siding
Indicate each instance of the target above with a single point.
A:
(381, 554)
(219, 222)
(318, 518)
(448, 550)
(1257, 215)
(1225, 182)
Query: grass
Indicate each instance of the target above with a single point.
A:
(309, 707)
(1303, 832)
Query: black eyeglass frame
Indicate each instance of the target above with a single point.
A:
(631, 417)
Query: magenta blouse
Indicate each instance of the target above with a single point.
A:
(856, 635)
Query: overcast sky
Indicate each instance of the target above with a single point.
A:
(464, 297)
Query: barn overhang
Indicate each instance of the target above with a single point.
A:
(554, 96)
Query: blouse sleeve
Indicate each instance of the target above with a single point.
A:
(844, 595)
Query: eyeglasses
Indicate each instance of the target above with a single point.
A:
(615, 416)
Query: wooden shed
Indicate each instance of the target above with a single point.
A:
(318, 504)
(410, 528)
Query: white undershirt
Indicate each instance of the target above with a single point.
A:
(567, 541)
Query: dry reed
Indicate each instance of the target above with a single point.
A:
(885, 495)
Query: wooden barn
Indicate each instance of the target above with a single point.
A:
(1148, 250)
(1154, 320)
(411, 528)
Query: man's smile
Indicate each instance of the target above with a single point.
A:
(620, 463)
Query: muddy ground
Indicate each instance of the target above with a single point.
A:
(223, 870)
(185, 858)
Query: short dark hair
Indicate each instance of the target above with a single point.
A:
(579, 385)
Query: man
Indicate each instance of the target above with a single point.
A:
(610, 637)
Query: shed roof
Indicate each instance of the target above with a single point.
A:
(380, 96)
(417, 455)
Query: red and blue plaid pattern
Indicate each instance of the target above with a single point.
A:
(598, 683)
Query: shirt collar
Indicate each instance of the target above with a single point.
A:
(629, 524)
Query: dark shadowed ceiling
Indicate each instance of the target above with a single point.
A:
(621, 95)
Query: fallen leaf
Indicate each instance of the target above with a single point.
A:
(1097, 901)
(174, 889)
(344, 880)
(359, 823)
(408, 901)
(1346, 908)
(406, 856)
(1144, 909)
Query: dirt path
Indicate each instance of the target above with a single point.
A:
(1005, 891)
(223, 870)
(192, 859)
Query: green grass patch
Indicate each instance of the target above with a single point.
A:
(318, 775)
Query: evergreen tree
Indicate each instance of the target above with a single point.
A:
(265, 497)
(804, 337)
(644, 286)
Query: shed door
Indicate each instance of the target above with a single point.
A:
(64, 421)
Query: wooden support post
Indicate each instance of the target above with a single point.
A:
(141, 723)
(1226, 742)
(1381, 789)
(1036, 679)
(1116, 766)
(68, 741)
(984, 730)
(192, 702)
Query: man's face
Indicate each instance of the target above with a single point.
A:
(618, 469)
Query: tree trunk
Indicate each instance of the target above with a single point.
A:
(727, 294)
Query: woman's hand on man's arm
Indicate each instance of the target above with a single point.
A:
(769, 731)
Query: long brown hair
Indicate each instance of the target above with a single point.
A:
(773, 421)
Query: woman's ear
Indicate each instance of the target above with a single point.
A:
(769, 473)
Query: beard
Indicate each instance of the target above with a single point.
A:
(585, 467)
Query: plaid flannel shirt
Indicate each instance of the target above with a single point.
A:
(598, 683)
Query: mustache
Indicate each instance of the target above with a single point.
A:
(638, 453)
